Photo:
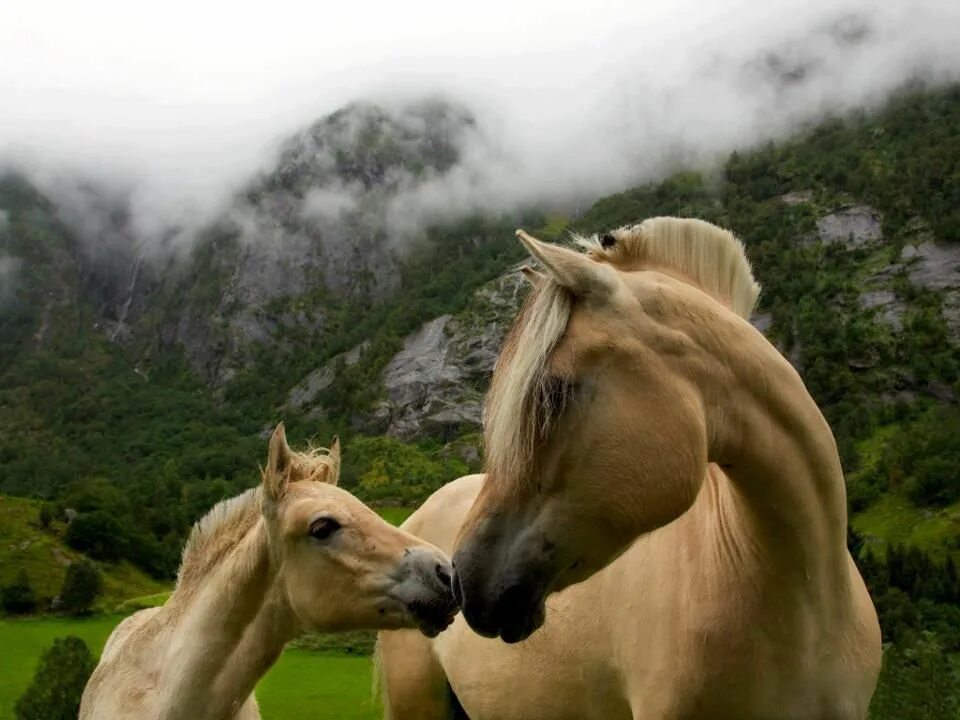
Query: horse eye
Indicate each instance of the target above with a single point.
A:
(323, 528)
(556, 394)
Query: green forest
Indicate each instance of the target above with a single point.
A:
(139, 456)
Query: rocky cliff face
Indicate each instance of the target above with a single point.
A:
(435, 385)
(315, 229)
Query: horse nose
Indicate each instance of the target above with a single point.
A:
(471, 598)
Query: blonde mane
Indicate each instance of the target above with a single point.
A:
(215, 534)
(713, 258)
(520, 403)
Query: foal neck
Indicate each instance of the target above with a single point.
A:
(229, 630)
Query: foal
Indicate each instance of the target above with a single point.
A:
(295, 554)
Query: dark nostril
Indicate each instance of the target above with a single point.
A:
(442, 575)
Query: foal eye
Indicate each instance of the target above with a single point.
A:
(323, 528)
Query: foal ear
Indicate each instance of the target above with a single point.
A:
(572, 270)
(279, 464)
(330, 472)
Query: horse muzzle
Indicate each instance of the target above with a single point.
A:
(499, 607)
(425, 590)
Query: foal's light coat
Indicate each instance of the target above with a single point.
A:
(293, 555)
(665, 511)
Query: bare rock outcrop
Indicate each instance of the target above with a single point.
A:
(854, 226)
(435, 385)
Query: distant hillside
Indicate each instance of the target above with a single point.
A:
(145, 391)
(45, 557)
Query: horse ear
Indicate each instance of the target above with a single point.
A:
(572, 270)
(330, 473)
(532, 276)
(279, 461)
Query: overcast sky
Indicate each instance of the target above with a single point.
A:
(180, 101)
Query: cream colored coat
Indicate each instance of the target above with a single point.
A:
(662, 480)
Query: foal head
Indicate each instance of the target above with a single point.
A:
(595, 433)
(340, 565)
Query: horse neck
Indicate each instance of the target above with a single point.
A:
(229, 632)
(773, 444)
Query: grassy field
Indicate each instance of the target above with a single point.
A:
(301, 684)
(308, 685)
(45, 557)
(23, 641)
(894, 519)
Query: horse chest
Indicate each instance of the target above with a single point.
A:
(496, 681)
(748, 675)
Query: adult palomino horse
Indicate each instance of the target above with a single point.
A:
(664, 506)
(295, 554)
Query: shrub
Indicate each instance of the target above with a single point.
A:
(18, 597)
(919, 682)
(98, 534)
(58, 683)
(81, 587)
(45, 516)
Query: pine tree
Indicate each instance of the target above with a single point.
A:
(58, 683)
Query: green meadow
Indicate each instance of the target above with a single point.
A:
(302, 684)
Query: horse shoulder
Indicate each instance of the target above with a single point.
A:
(118, 682)
(124, 630)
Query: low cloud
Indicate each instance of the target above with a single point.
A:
(146, 129)
(330, 203)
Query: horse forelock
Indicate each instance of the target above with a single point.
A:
(517, 409)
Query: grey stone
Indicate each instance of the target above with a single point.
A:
(323, 218)
(936, 266)
(798, 197)
(762, 321)
(306, 391)
(435, 384)
(942, 391)
(855, 226)
(890, 310)
(933, 265)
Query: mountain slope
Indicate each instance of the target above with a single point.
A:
(164, 385)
